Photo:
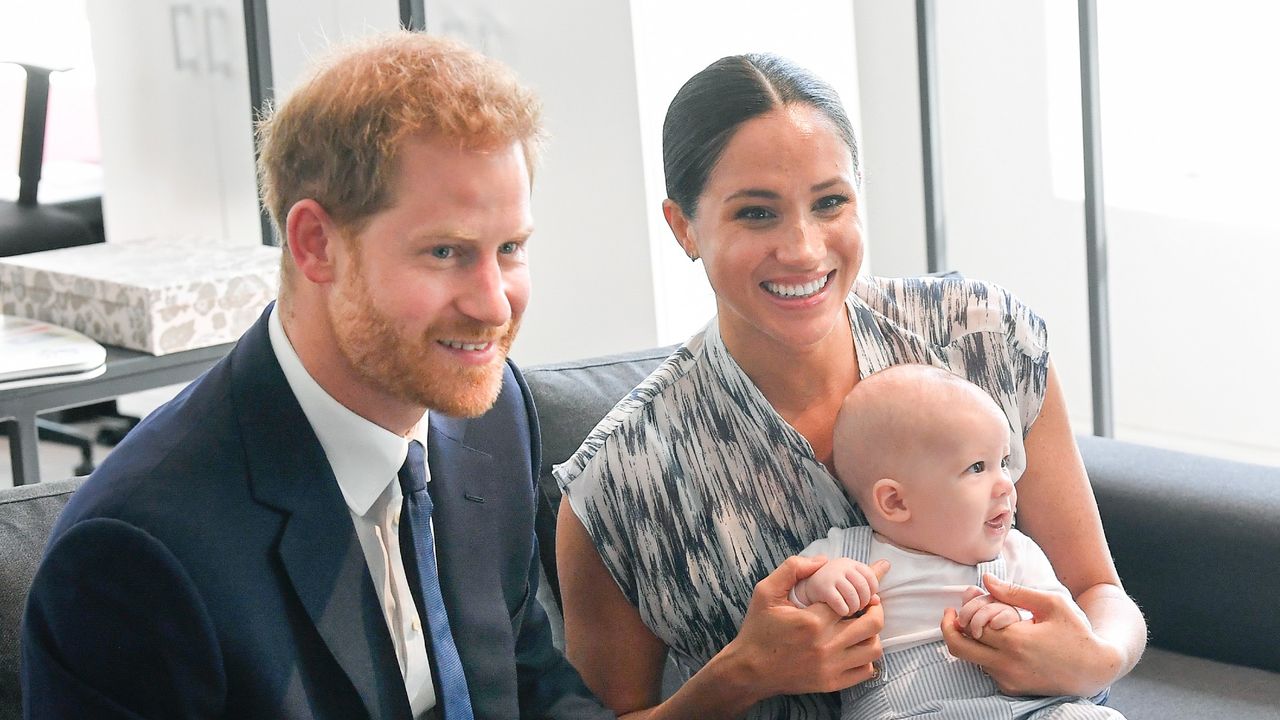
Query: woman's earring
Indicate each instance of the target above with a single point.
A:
(693, 257)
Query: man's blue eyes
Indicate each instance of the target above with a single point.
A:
(446, 252)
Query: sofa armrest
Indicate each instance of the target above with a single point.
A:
(27, 514)
(1195, 540)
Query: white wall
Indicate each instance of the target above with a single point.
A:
(174, 118)
(893, 189)
(1005, 222)
(301, 28)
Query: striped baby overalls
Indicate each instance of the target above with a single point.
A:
(926, 681)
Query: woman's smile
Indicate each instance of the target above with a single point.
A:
(798, 290)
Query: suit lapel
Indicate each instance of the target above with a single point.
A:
(483, 527)
(330, 576)
(459, 483)
(319, 550)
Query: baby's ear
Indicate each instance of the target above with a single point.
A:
(890, 501)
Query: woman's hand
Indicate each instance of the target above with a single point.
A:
(1057, 653)
(1057, 509)
(785, 650)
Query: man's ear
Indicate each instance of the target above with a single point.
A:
(680, 227)
(311, 237)
(890, 501)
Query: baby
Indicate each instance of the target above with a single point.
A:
(925, 454)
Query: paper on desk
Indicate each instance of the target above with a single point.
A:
(37, 353)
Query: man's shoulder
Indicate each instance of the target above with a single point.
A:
(179, 459)
(509, 423)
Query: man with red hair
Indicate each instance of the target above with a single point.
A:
(337, 520)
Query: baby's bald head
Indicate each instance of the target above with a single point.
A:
(897, 417)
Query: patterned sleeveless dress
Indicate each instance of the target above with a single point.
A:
(693, 488)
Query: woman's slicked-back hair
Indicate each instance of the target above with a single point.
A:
(710, 107)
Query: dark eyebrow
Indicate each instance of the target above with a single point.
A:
(824, 185)
(771, 195)
(754, 193)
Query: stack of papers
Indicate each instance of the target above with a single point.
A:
(36, 353)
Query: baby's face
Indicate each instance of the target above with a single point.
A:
(959, 491)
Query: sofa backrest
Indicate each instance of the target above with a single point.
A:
(571, 397)
(27, 514)
(1196, 541)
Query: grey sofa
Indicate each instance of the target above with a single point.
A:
(26, 516)
(1196, 541)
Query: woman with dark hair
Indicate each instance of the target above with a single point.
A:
(689, 502)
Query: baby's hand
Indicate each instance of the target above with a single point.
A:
(845, 585)
(981, 611)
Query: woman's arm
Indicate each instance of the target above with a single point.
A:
(780, 649)
(1059, 654)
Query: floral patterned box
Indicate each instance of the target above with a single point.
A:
(158, 296)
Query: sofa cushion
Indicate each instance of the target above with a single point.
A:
(1168, 685)
(26, 516)
(1195, 540)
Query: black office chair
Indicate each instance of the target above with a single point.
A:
(28, 226)
(25, 225)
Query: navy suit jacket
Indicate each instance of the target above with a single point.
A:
(210, 569)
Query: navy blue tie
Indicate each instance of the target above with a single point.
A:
(454, 698)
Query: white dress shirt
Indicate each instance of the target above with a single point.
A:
(366, 458)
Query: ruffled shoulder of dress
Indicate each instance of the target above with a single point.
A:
(941, 310)
(631, 411)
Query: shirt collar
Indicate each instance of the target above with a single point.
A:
(364, 456)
